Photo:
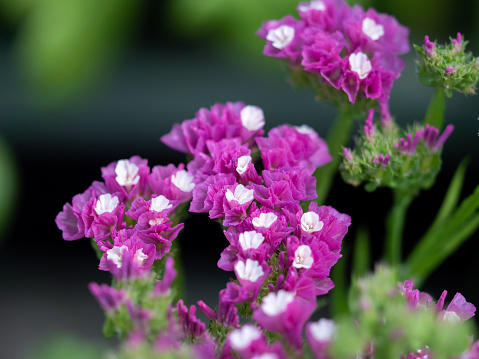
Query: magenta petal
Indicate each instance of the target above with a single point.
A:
(350, 85)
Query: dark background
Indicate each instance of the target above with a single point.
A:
(63, 116)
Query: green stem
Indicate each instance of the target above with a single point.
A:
(436, 108)
(338, 136)
(395, 225)
(339, 295)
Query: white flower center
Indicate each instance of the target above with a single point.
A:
(281, 36)
(266, 356)
(265, 220)
(315, 5)
(183, 180)
(360, 64)
(250, 239)
(243, 163)
(155, 221)
(276, 303)
(310, 222)
(116, 254)
(126, 173)
(252, 118)
(106, 203)
(241, 195)
(251, 270)
(304, 129)
(140, 257)
(451, 317)
(243, 337)
(160, 203)
(371, 29)
(323, 330)
(303, 257)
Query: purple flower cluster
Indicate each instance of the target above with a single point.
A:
(348, 49)
(281, 255)
(458, 311)
(429, 137)
(128, 215)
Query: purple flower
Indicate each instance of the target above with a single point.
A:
(320, 335)
(285, 187)
(156, 228)
(287, 147)
(374, 32)
(231, 120)
(70, 220)
(458, 310)
(109, 298)
(428, 46)
(175, 183)
(321, 55)
(127, 178)
(282, 38)
(192, 327)
(284, 313)
(429, 137)
(208, 196)
(163, 286)
(227, 313)
(139, 253)
(326, 15)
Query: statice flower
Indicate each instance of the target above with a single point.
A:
(388, 156)
(448, 67)
(287, 147)
(335, 47)
(231, 120)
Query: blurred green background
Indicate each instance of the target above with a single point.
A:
(84, 83)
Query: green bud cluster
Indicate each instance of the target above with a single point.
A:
(382, 320)
(140, 292)
(447, 66)
(404, 171)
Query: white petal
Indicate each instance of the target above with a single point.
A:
(323, 330)
(126, 173)
(252, 118)
(160, 203)
(106, 203)
(281, 36)
(242, 338)
(310, 222)
(183, 180)
(371, 29)
(243, 163)
(276, 303)
(116, 254)
(360, 64)
(303, 257)
(251, 270)
(250, 239)
(264, 220)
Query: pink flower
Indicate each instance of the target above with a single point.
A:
(231, 120)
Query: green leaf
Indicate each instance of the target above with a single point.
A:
(453, 192)
(444, 240)
(449, 204)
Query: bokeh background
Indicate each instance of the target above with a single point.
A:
(85, 82)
